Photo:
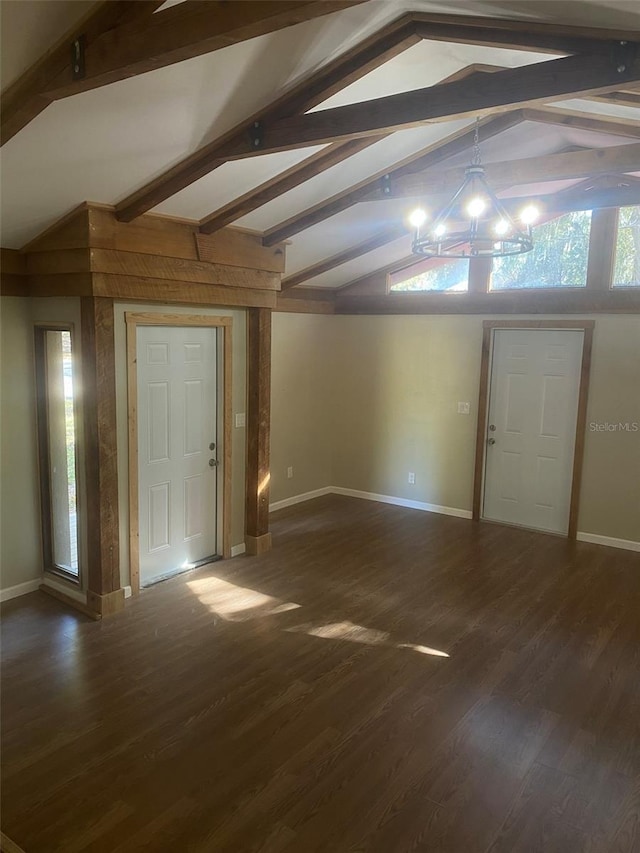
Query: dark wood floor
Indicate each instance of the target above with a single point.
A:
(302, 702)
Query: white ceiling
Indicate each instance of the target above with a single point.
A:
(103, 144)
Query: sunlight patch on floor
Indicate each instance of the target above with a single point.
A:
(236, 603)
(424, 650)
(359, 634)
(342, 631)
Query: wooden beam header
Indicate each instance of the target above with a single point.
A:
(528, 85)
(554, 167)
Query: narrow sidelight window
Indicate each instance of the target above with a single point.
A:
(57, 437)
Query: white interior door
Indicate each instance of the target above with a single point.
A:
(177, 448)
(533, 407)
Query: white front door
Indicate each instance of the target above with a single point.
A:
(177, 448)
(531, 427)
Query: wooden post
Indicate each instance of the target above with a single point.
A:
(258, 538)
(104, 594)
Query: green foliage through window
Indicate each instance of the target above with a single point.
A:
(626, 271)
(449, 276)
(559, 257)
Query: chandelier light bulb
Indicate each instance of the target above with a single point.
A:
(418, 217)
(529, 214)
(474, 222)
(476, 206)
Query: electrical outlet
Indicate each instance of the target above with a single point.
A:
(463, 408)
(290, 472)
(411, 479)
(240, 420)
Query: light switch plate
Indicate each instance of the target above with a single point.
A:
(463, 408)
(240, 420)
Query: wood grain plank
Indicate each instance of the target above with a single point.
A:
(140, 265)
(179, 33)
(588, 163)
(13, 273)
(573, 76)
(546, 302)
(136, 288)
(100, 449)
(305, 718)
(520, 34)
(258, 428)
(583, 121)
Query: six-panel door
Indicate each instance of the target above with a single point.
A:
(177, 448)
(533, 406)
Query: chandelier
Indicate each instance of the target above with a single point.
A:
(475, 223)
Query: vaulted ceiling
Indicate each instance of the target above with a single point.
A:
(107, 143)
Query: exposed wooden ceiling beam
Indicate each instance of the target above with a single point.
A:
(380, 239)
(623, 191)
(309, 168)
(620, 99)
(572, 76)
(591, 122)
(552, 167)
(576, 198)
(580, 197)
(432, 155)
(520, 35)
(282, 183)
(24, 99)
(313, 90)
(189, 29)
(114, 48)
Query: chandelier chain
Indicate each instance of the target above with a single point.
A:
(476, 144)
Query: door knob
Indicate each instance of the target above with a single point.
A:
(491, 441)
(213, 463)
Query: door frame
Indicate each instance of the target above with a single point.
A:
(489, 326)
(132, 321)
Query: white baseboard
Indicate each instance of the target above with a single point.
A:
(390, 499)
(370, 496)
(236, 550)
(19, 589)
(609, 541)
(298, 499)
(593, 538)
(127, 591)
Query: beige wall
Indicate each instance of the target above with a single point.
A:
(20, 548)
(302, 404)
(611, 479)
(21, 529)
(394, 385)
(239, 396)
